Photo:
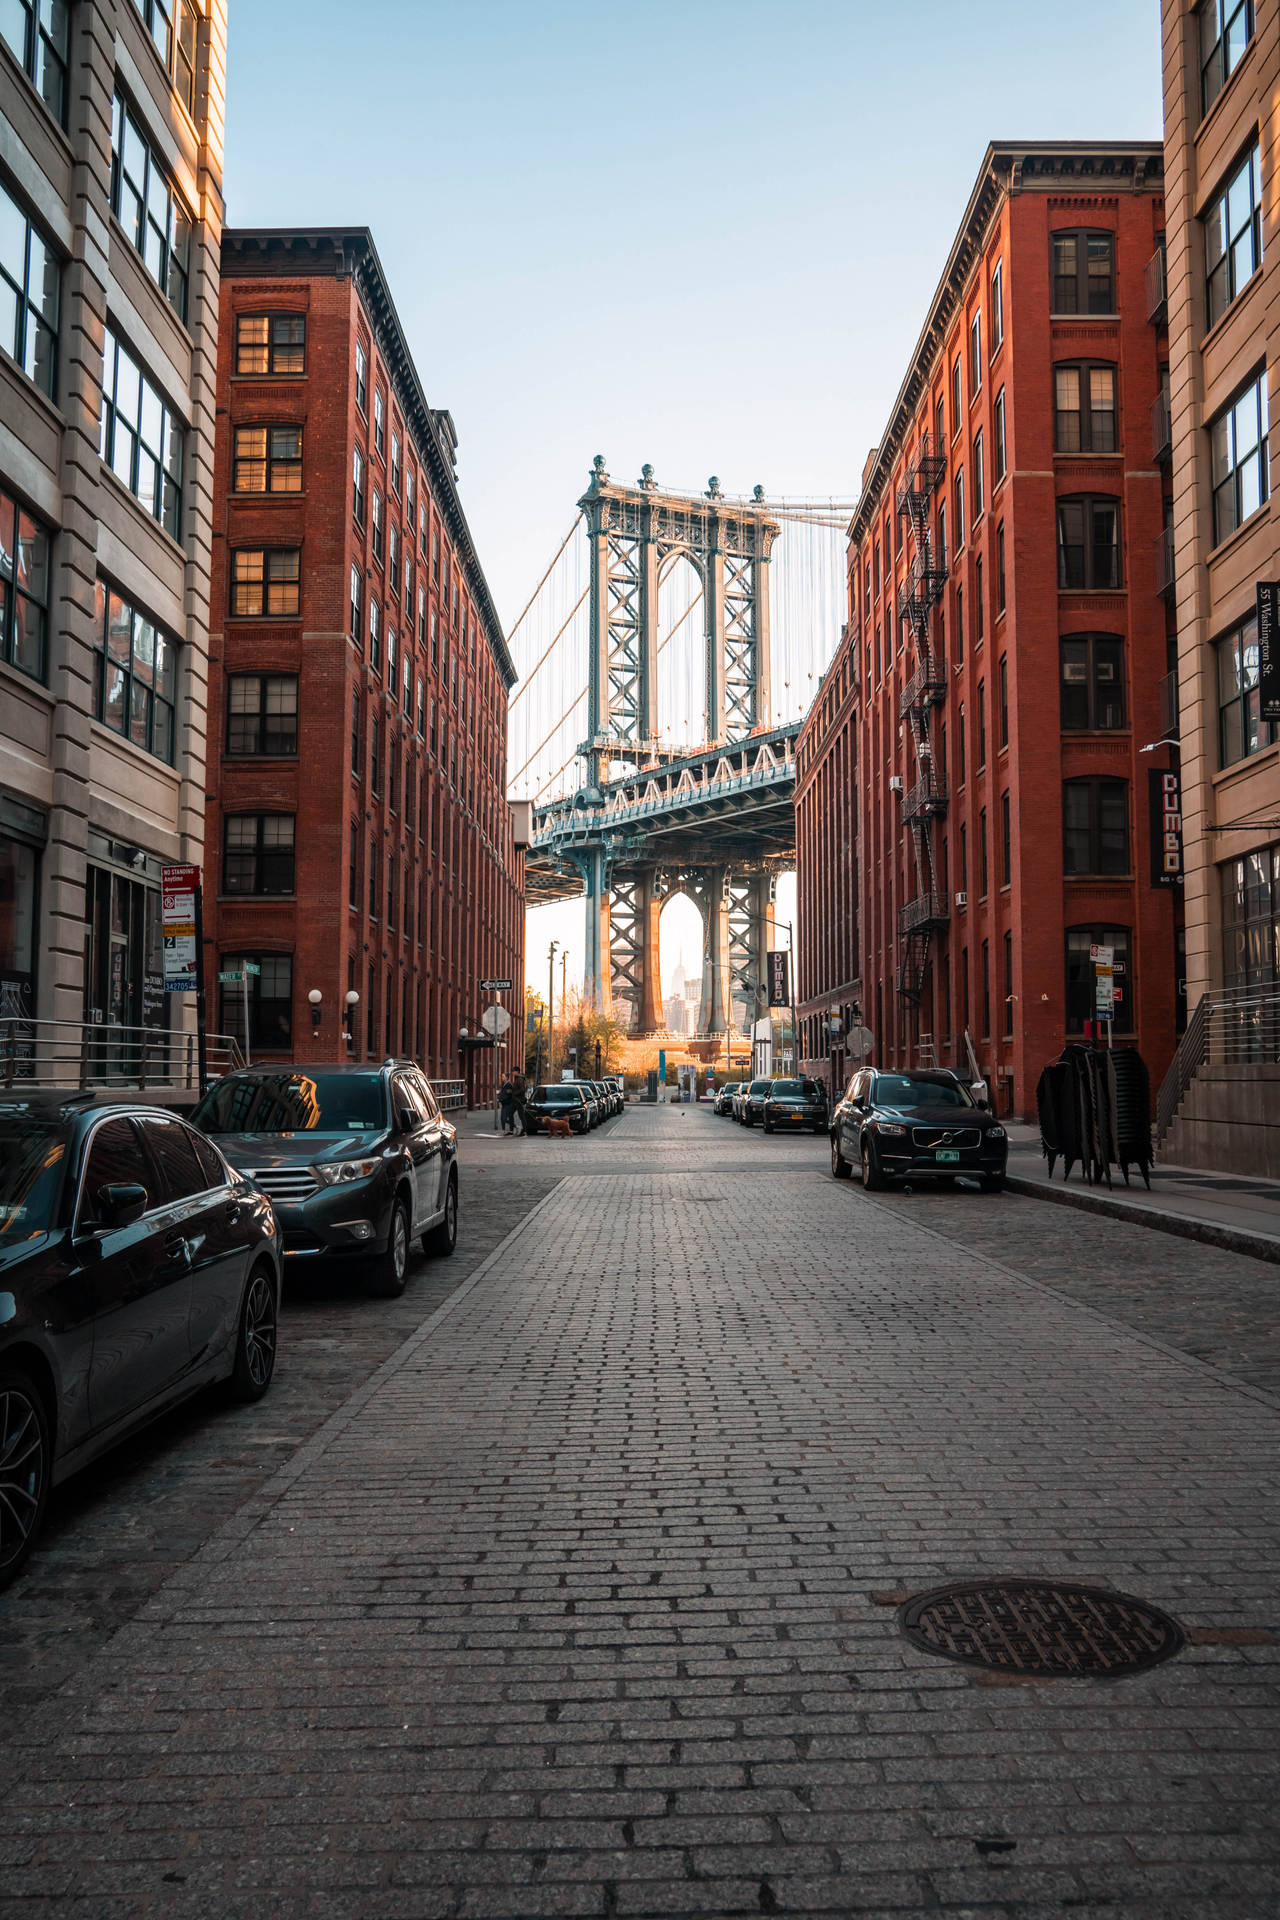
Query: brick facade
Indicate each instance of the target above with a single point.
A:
(407, 888)
(1006, 726)
(828, 987)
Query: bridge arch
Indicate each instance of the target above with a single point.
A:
(680, 659)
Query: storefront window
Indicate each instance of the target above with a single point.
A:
(1251, 919)
(124, 960)
(18, 868)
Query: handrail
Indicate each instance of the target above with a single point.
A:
(1236, 1026)
(90, 1053)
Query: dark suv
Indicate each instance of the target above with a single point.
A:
(796, 1103)
(915, 1125)
(357, 1161)
(751, 1101)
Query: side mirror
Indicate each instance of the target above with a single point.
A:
(406, 1119)
(120, 1204)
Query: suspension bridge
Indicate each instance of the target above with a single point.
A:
(666, 660)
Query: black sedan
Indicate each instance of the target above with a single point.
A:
(358, 1161)
(557, 1100)
(915, 1125)
(135, 1267)
(796, 1104)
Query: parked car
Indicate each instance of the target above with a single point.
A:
(724, 1097)
(135, 1267)
(557, 1100)
(922, 1125)
(358, 1161)
(612, 1098)
(798, 1104)
(751, 1102)
(604, 1098)
(739, 1095)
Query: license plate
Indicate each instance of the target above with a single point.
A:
(947, 1155)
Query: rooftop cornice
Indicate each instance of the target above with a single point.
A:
(1008, 167)
(349, 252)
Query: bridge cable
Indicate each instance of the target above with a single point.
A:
(512, 778)
(546, 576)
(527, 679)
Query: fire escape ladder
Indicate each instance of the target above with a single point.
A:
(926, 800)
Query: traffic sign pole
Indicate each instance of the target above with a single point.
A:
(202, 1038)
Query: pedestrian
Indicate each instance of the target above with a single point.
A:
(506, 1103)
(518, 1093)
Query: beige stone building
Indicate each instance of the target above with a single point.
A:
(111, 126)
(1222, 121)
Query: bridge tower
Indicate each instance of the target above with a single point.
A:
(635, 533)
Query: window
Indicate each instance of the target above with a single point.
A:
(1233, 235)
(270, 1000)
(959, 626)
(1006, 841)
(176, 47)
(979, 477)
(375, 753)
(410, 487)
(1001, 595)
(985, 1010)
(942, 535)
(267, 460)
(1083, 272)
(1095, 826)
(262, 713)
(393, 775)
(375, 636)
(982, 853)
(144, 202)
(964, 858)
(271, 342)
(357, 486)
(377, 525)
(1251, 919)
(1081, 977)
(379, 422)
(975, 353)
(1241, 729)
(997, 305)
(1000, 450)
(961, 751)
(140, 438)
(38, 35)
(29, 285)
(391, 657)
(422, 616)
(956, 398)
(355, 603)
(136, 672)
(375, 882)
(1226, 28)
(979, 604)
(1008, 986)
(408, 580)
(174, 1158)
(362, 380)
(395, 463)
(1004, 700)
(406, 683)
(257, 853)
(1239, 458)
(960, 519)
(1092, 675)
(356, 766)
(393, 559)
(266, 581)
(1084, 419)
(353, 867)
(24, 589)
(420, 718)
(1088, 543)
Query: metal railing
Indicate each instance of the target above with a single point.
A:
(928, 795)
(1161, 428)
(1237, 1026)
(1165, 560)
(450, 1094)
(927, 685)
(926, 910)
(1157, 286)
(86, 1053)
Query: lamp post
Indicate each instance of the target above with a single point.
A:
(352, 1002)
(465, 1056)
(315, 997)
(551, 1009)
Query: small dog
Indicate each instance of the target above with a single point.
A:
(558, 1129)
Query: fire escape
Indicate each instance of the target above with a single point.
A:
(929, 909)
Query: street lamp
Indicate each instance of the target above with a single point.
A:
(315, 997)
(353, 1001)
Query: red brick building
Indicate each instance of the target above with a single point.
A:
(828, 982)
(359, 842)
(1009, 635)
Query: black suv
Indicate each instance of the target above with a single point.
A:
(135, 1267)
(356, 1160)
(796, 1103)
(751, 1101)
(915, 1125)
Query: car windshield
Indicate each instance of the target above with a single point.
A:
(31, 1162)
(559, 1096)
(298, 1102)
(760, 1086)
(900, 1090)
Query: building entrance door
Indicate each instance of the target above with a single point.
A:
(123, 977)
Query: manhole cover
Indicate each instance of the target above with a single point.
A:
(1040, 1626)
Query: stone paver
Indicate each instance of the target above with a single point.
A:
(579, 1605)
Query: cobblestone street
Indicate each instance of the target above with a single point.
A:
(571, 1588)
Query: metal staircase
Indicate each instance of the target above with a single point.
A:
(926, 801)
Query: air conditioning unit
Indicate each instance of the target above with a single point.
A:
(895, 783)
(962, 899)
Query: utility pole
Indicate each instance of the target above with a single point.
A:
(551, 1010)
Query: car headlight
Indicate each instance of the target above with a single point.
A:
(892, 1129)
(335, 1173)
(995, 1133)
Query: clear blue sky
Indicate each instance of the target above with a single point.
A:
(699, 234)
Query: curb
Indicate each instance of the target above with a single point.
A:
(1261, 1246)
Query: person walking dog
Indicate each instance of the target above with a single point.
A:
(507, 1106)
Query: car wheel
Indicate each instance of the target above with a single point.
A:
(388, 1272)
(992, 1182)
(443, 1238)
(840, 1168)
(872, 1178)
(26, 1461)
(255, 1360)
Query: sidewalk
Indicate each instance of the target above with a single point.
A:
(1238, 1212)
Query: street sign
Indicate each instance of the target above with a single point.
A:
(1102, 956)
(1105, 993)
(1268, 610)
(495, 986)
(495, 1020)
(861, 1043)
(232, 979)
(178, 886)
